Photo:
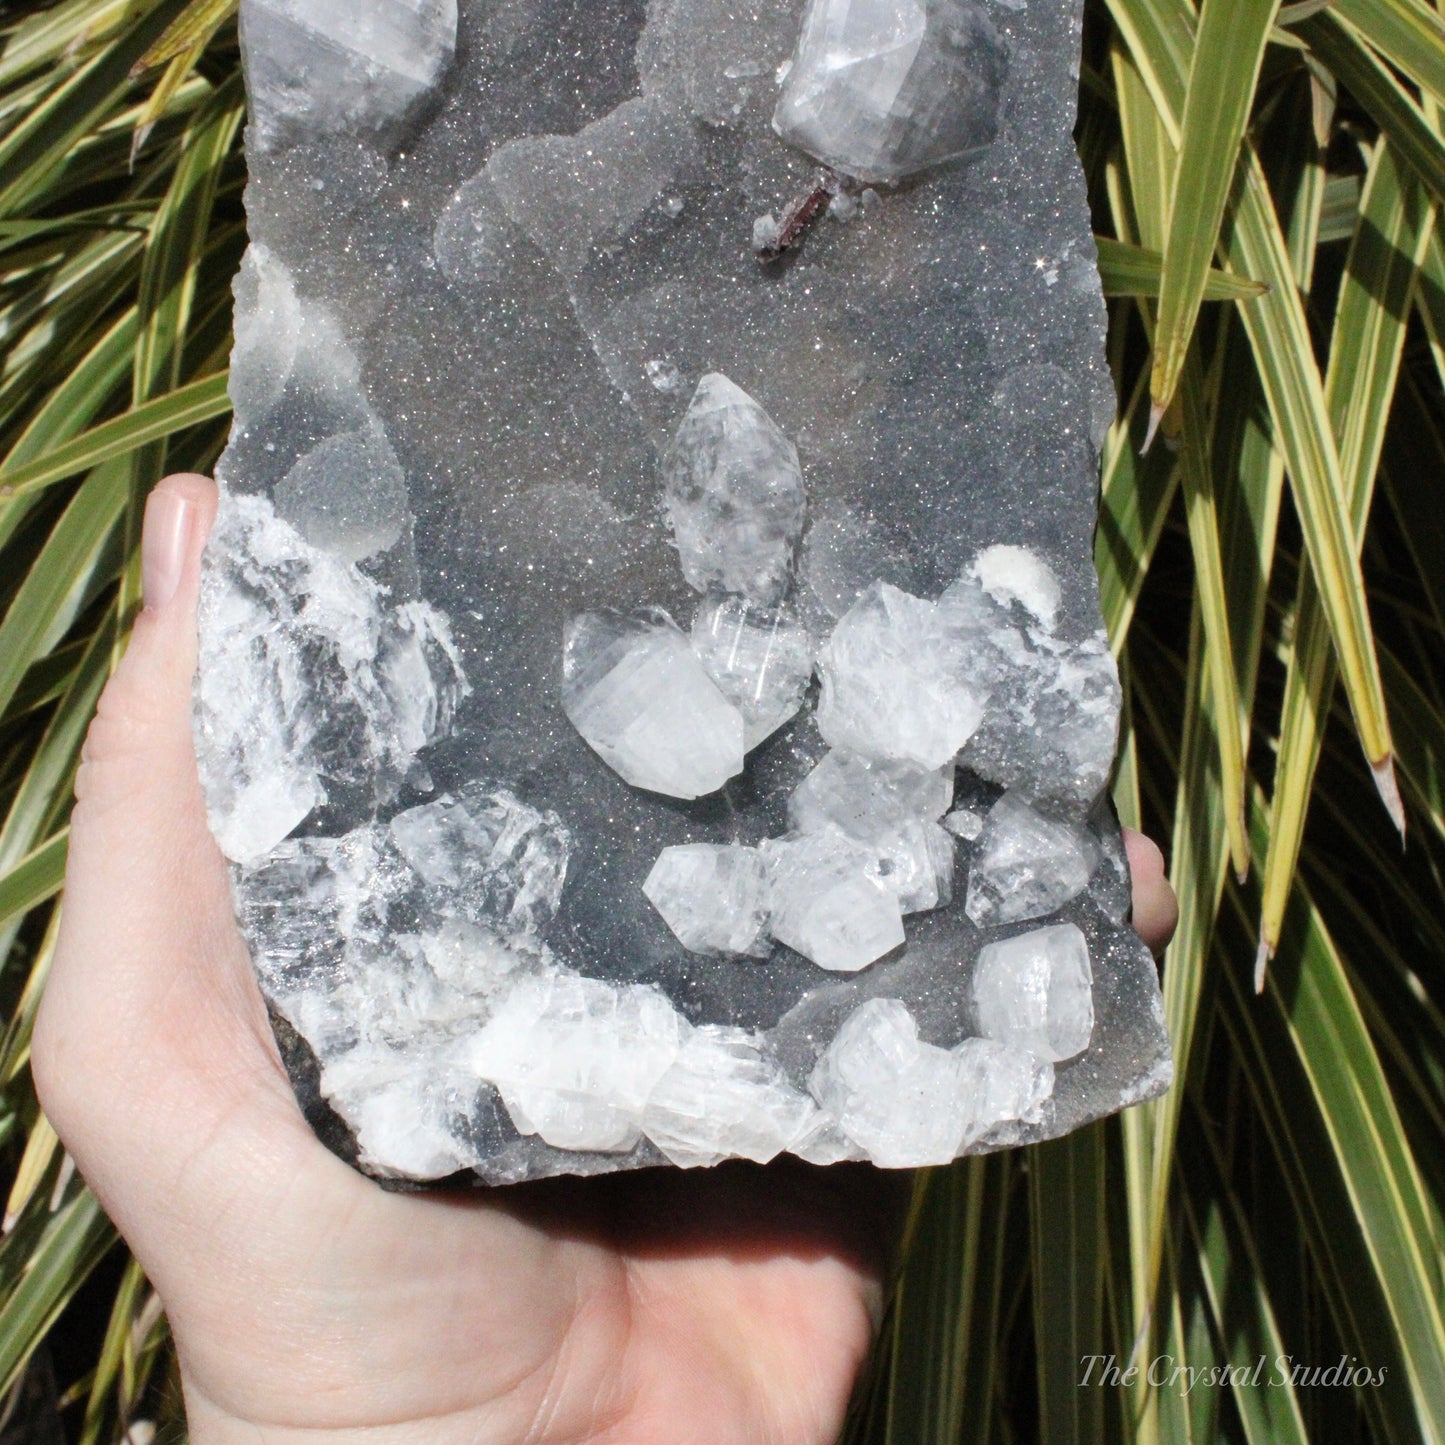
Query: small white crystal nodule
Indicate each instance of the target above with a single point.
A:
(880, 89)
(1035, 991)
(734, 492)
(1014, 574)
(635, 690)
(713, 897)
(827, 902)
(1027, 865)
(896, 684)
(760, 657)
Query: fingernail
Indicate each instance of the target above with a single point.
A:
(164, 545)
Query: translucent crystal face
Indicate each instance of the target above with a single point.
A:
(318, 66)
(637, 692)
(880, 89)
(653, 696)
(1035, 991)
(734, 494)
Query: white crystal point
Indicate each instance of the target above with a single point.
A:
(722, 1099)
(827, 902)
(347, 496)
(635, 690)
(713, 897)
(1014, 574)
(1035, 991)
(897, 685)
(760, 657)
(1027, 865)
(734, 492)
(889, 809)
(576, 1060)
(342, 67)
(880, 89)
(1005, 1084)
(905, 1104)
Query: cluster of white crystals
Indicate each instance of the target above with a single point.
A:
(343, 67)
(907, 1104)
(906, 685)
(673, 714)
(881, 89)
(311, 681)
(387, 948)
(420, 950)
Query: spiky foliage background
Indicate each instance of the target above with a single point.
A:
(1266, 182)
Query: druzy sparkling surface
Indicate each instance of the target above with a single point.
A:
(652, 692)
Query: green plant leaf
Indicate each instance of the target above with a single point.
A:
(1228, 52)
(1137, 271)
(187, 406)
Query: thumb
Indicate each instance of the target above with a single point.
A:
(152, 1036)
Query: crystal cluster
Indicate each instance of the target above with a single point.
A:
(652, 687)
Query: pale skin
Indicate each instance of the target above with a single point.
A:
(724, 1307)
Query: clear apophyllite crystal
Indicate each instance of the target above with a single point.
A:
(760, 657)
(734, 493)
(537, 879)
(891, 811)
(828, 901)
(634, 688)
(1036, 991)
(319, 67)
(880, 89)
(899, 1099)
(898, 685)
(1026, 865)
(714, 898)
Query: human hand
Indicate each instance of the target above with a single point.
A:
(732, 1306)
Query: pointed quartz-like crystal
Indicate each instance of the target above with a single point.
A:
(734, 493)
(634, 689)
(322, 67)
(879, 89)
(1035, 991)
